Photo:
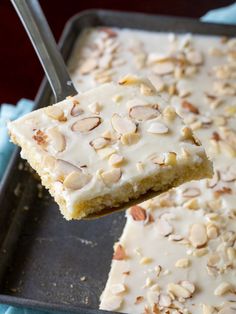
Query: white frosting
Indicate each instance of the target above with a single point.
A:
(139, 52)
(75, 145)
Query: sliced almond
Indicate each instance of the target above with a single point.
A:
(188, 285)
(76, 110)
(88, 66)
(228, 175)
(129, 138)
(169, 113)
(57, 140)
(116, 160)
(182, 263)
(122, 125)
(191, 192)
(86, 124)
(55, 112)
(170, 159)
(129, 79)
(164, 227)
(106, 152)
(208, 309)
(112, 303)
(139, 299)
(117, 98)
(178, 291)
(231, 253)
(198, 235)
(138, 213)
(140, 166)
(223, 288)
(212, 231)
(157, 82)
(159, 160)
(163, 68)
(213, 259)
(143, 113)
(158, 128)
(145, 260)
(63, 168)
(175, 237)
(95, 107)
(192, 203)
(146, 90)
(195, 57)
(152, 297)
(119, 253)
(117, 288)
(111, 176)
(215, 179)
(99, 143)
(164, 300)
(190, 107)
(40, 137)
(76, 180)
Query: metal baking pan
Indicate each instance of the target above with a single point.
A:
(45, 261)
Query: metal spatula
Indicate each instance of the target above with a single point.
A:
(40, 34)
(46, 48)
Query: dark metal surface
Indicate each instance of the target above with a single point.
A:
(45, 261)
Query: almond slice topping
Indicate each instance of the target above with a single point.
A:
(191, 192)
(55, 112)
(144, 112)
(146, 90)
(215, 179)
(163, 68)
(138, 213)
(163, 227)
(178, 291)
(86, 124)
(95, 107)
(63, 168)
(129, 79)
(198, 235)
(119, 253)
(56, 140)
(99, 143)
(123, 125)
(76, 180)
(130, 138)
(190, 107)
(195, 57)
(76, 110)
(117, 288)
(116, 160)
(87, 66)
(223, 288)
(158, 128)
(111, 176)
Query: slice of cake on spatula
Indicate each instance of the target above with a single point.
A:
(106, 147)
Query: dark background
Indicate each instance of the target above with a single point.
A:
(21, 72)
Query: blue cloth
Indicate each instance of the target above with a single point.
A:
(9, 112)
(226, 15)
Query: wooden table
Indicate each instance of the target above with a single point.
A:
(21, 72)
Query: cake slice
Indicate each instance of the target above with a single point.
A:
(176, 255)
(110, 145)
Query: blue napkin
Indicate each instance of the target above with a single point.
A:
(9, 112)
(226, 15)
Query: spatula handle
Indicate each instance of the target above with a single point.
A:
(45, 46)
